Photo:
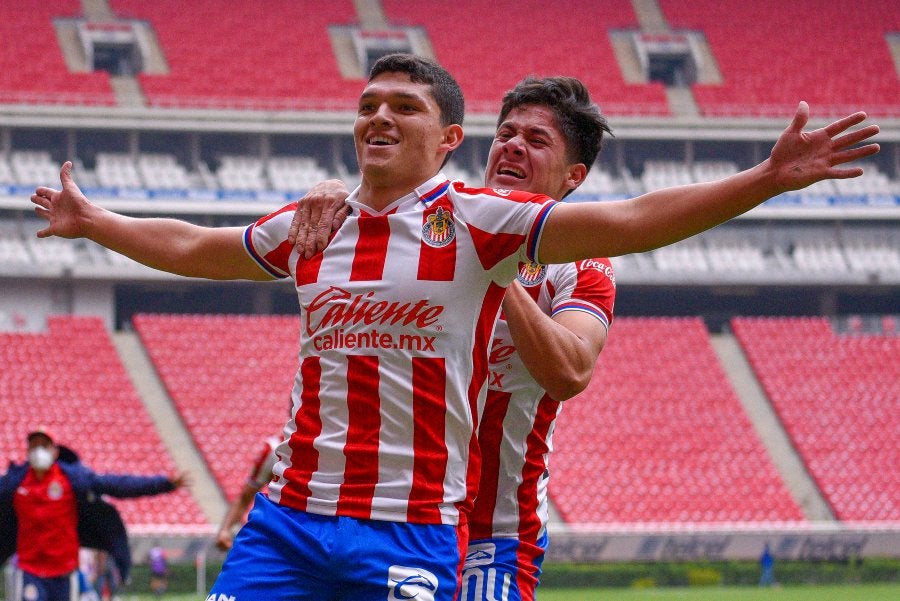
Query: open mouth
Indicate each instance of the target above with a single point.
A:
(380, 141)
(512, 172)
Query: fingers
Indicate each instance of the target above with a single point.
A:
(65, 174)
(297, 233)
(847, 122)
(855, 137)
(340, 217)
(45, 192)
(853, 154)
(801, 118)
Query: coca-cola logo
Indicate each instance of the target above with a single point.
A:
(336, 307)
(600, 266)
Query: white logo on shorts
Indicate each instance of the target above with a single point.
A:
(220, 597)
(480, 554)
(407, 583)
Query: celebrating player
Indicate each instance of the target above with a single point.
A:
(553, 325)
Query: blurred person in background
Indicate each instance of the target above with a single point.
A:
(50, 506)
(767, 565)
(159, 571)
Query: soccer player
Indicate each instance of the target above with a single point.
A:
(374, 475)
(48, 509)
(259, 477)
(554, 323)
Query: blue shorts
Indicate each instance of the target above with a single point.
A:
(282, 554)
(28, 587)
(502, 569)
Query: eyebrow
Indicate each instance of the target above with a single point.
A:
(400, 95)
(529, 129)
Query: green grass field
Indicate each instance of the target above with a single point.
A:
(861, 592)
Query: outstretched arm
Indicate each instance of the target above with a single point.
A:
(166, 244)
(582, 230)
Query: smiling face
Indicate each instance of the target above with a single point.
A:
(400, 141)
(529, 153)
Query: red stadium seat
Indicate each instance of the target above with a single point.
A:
(817, 70)
(233, 403)
(839, 399)
(660, 436)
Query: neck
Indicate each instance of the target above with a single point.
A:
(378, 197)
(377, 192)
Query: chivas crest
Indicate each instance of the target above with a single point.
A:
(439, 229)
(532, 274)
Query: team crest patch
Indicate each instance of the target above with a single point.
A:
(55, 491)
(439, 229)
(30, 592)
(532, 274)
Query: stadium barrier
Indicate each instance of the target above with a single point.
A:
(628, 543)
(716, 542)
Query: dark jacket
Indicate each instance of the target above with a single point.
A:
(99, 524)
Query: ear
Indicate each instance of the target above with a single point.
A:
(575, 175)
(453, 137)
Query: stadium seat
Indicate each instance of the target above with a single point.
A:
(837, 395)
(26, 65)
(660, 436)
(213, 397)
(480, 44)
(835, 82)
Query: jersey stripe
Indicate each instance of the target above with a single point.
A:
(534, 236)
(361, 448)
(304, 457)
(371, 248)
(535, 452)
(308, 269)
(490, 438)
(429, 444)
(437, 263)
(256, 256)
(493, 247)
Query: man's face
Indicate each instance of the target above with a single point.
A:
(398, 132)
(529, 153)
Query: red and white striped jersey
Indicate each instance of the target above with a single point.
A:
(516, 429)
(396, 318)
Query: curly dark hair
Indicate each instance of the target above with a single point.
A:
(579, 119)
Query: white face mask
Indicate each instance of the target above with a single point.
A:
(41, 458)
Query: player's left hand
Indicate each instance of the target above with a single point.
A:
(801, 158)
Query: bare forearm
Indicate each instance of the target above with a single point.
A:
(557, 358)
(583, 230)
(173, 245)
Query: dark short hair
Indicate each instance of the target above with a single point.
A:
(580, 121)
(444, 88)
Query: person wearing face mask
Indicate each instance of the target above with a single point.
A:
(50, 506)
